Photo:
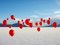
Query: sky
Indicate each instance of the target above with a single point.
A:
(33, 9)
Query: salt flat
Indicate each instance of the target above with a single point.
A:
(30, 36)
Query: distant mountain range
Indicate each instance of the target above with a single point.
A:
(52, 20)
(13, 25)
(52, 25)
(16, 25)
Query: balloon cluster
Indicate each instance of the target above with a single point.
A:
(28, 23)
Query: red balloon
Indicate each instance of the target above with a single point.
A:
(4, 22)
(11, 33)
(36, 23)
(48, 22)
(10, 26)
(23, 23)
(27, 21)
(30, 24)
(22, 20)
(44, 21)
(12, 17)
(7, 19)
(38, 29)
(20, 26)
(41, 19)
(49, 18)
(18, 22)
(55, 24)
(40, 23)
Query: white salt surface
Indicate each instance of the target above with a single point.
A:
(30, 36)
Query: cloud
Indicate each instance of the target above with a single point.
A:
(56, 12)
(34, 16)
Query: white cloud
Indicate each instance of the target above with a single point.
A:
(34, 16)
(56, 12)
